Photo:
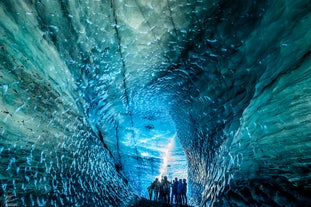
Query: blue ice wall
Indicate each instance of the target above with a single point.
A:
(100, 97)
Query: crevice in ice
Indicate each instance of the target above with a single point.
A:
(115, 26)
(101, 139)
(118, 144)
(172, 20)
(128, 108)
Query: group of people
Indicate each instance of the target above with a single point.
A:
(174, 192)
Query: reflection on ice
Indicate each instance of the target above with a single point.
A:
(166, 156)
(174, 163)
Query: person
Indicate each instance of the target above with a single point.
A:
(166, 190)
(179, 191)
(150, 190)
(174, 191)
(161, 193)
(184, 192)
(171, 191)
(156, 188)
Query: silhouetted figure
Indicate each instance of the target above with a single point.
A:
(161, 193)
(156, 188)
(174, 191)
(184, 192)
(150, 190)
(166, 190)
(179, 191)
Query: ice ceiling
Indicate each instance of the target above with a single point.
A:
(100, 97)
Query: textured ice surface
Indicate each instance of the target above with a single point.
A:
(100, 97)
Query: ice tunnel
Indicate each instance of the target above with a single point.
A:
(99, 97)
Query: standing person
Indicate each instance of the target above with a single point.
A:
(179, 192)
(171, 191)
(166, 190)
(174, 191)
(156, 188)
(161, 193)
(184, 192)
(150, 190)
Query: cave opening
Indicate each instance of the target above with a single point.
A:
(145, 141)
(100, 97)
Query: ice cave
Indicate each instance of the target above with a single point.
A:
(100, 97)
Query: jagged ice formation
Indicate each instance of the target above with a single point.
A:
(99, 97)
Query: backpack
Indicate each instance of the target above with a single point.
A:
(156, 186)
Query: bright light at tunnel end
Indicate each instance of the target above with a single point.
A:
(174, 163)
